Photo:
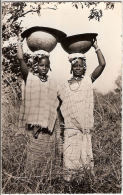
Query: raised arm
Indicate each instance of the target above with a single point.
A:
(23, 66)
(99, 69)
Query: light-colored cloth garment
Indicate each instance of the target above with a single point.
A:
(39, 107)
(78, 150)
(39, 103)
(77, 110)
(77, 103)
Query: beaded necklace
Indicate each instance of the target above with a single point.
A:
(76, 80)
(43, 78)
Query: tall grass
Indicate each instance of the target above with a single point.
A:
(106, 140)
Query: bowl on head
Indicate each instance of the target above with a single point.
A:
(80, 43)
(42, 38)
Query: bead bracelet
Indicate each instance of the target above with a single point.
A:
(97, 49)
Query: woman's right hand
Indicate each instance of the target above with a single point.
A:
(20, 39)
(23, 66)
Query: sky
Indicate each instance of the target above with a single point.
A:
(75, 21)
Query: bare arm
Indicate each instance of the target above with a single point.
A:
(60, 116)
(99, 69)
(23, 66)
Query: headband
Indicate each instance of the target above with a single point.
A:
(74, 56)
(40, 53)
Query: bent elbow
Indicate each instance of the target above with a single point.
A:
(103, 64)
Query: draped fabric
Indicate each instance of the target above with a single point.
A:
(77, 150)
(77, 110)
(39, 108)
(39, 103)
(77, 103)
(40, 154)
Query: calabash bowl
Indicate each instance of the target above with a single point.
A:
(80, 43)
(42, 38)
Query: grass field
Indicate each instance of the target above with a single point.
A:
(106, 140)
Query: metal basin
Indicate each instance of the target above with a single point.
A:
(42, 38)
(80, 43)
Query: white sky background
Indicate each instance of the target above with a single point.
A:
(75, 21)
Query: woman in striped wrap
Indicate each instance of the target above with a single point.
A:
(77, 109)
(38, 111)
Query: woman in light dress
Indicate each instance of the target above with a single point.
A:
(77, 104)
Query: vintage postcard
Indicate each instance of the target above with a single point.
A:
(61, 97)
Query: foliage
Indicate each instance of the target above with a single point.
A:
(97, 14)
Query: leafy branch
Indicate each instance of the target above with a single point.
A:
(95, 13)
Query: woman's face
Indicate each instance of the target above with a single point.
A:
(78, 68)
(43, 66)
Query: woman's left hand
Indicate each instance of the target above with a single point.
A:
(95, 44)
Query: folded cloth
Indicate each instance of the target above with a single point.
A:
(40, 53)
(72, 57)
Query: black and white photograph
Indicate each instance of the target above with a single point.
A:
(61, 97)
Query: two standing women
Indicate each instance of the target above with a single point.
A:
(76, 97)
